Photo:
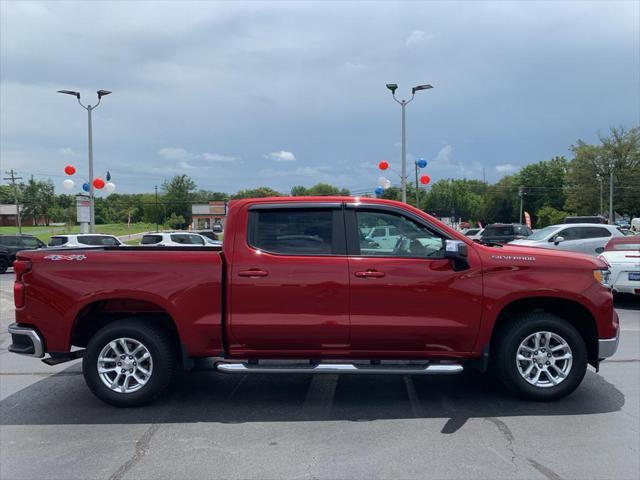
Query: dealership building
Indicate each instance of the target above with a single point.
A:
(205, 216)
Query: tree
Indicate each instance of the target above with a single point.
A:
(37, 197)
(256, 193)
(320, 189)
(548, 215)
(543, 183)
(178, 195)
(619, 153)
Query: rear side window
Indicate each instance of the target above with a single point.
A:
(97, 240)
(57, 241)
(595, 232)
(150, 239)
(574, 233)
(296, 231)
(498, 231)
(186, 239)
(9, 240)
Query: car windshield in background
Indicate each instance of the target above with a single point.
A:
(543, 233)
(498, 231)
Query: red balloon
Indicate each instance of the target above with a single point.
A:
(98, 183)
(383, 165)
(69, 169)
(425, 179)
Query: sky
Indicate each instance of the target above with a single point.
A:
(240, 95)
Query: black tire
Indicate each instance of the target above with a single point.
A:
(4, 264)
(157, 342)
(505, 367)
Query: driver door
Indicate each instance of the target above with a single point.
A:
(407, 301)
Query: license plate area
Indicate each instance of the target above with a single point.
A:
(634, 276)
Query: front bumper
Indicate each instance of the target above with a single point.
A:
(25, 341)
(608, 346)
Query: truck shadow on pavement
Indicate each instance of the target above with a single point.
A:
(207, 396)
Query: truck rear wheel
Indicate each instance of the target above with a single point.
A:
(128, 363)
(540, 356)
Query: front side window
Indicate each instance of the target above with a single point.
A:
(57, 241)
(296, 231)
(409, 239)
(573, 233)
(30, 242)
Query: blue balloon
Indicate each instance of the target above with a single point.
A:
(108, 176)
(421, 163)
(85, 186)
(379, 191)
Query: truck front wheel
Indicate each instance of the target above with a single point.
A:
(128, 363)
(540, 356)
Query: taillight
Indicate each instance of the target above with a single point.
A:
(20, 267)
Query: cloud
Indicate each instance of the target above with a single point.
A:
(506, 168)
(171, 153)
(281, 156)
(69, 152)
(444, 155)
(180, 154)
(216, 157)
(186, 165)
(418, 38)
(300, 171)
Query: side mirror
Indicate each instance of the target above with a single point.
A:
(558, 240)
(455, 249)
(599, 249)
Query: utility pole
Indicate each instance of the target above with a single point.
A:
(417, 188)
(521, 193)
(599, 177)
(13, 179)
(612, 215)
(157, 212)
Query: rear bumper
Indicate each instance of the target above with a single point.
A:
(25, 341)
(607, 347)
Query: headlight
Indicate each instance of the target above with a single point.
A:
(603, 277)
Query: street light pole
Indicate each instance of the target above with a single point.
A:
(157, 228)
(612, 219)
(415, 162)
(89, 109)
(521, 193)
(403, 103)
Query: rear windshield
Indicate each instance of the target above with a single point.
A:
(150, 239)
(498, 231)
(471, 231)
(97, 240)
(57, 241)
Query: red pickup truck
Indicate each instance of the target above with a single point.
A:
(317, 285)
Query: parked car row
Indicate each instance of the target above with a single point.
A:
(10, 245)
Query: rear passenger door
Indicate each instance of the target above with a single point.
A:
(289, 281)
(594, 238)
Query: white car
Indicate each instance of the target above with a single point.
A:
(623, 257)
(473, 233)
(589, 238)
(177, 239)
(84, 240)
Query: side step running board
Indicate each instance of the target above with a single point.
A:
(340, 368)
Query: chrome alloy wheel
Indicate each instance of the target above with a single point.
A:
(125, 365)
(544, 359)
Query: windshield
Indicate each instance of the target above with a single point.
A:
(543, 233)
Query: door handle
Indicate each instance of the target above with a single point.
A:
(253, 273)
(369, 274)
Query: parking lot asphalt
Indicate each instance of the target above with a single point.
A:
(213, 425)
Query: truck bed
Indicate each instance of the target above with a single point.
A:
(182, 282)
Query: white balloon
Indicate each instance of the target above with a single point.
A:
(110, 187)
(68, 184)
(384, 182)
